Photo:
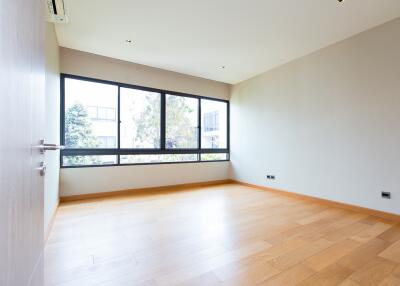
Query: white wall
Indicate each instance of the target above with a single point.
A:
(105, 179)
(327, 125)
(52, 135)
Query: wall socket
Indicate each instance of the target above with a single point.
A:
(386, 195)
(270, 177)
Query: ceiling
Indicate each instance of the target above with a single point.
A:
(199, 37)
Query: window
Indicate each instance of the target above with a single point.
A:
(214, 141)
(214, 157)
(161, 158)
(211, 121)
(214, 134)
(83, 118)
(70, 161)
(140, 118)
(107, 141)
(101, 113)
(107, 124)
(181, 122)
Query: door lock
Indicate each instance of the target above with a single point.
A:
(42, 168)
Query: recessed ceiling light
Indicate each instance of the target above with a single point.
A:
(128, 41)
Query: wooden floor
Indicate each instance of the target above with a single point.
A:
(221, 235)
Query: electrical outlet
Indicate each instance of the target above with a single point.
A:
(386, 195)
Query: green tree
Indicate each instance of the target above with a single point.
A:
(78, 134)
(148, 123)
(78, 128)
(179, 131)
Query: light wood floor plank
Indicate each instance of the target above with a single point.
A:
(292, 258)
(392, 252)
(291, 277)
(329, 276)
(396, 271)
(392, 234)
(332, 254)
(349, 282)
(218, 235)
(373, 272)
(390, 281)
(361, 255)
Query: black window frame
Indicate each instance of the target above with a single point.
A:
(139, 151)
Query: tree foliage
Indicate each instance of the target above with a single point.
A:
(179, 131)
(78, 128)
(78, 134)
(148, 124)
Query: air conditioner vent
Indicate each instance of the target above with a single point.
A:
(56, 11)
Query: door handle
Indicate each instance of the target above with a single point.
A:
(43, 147)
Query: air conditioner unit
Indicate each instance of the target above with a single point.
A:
(56, 11)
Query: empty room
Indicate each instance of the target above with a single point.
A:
(200, 143)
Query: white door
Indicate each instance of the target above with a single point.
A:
(21, 127)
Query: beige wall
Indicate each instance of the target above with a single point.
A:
(105, 179)
(52, 115)
(327, 125)
(90, 65)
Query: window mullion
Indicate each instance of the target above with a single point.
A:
(199, 124)
(119, 125)
(228, 126)
(162, 122)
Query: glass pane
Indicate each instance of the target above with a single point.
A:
(106, 141)
(214, 157)
(214, 115)
(89, 160)
(111, 114)
(181, 122)
(92, 112)
(140, 118)
(87, 105)
(165, 158)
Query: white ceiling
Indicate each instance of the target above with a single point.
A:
(199, 37)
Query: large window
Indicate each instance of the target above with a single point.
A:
(108, 123)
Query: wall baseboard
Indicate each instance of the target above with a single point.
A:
(51, 223)
(372, 212)
(141, 191)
